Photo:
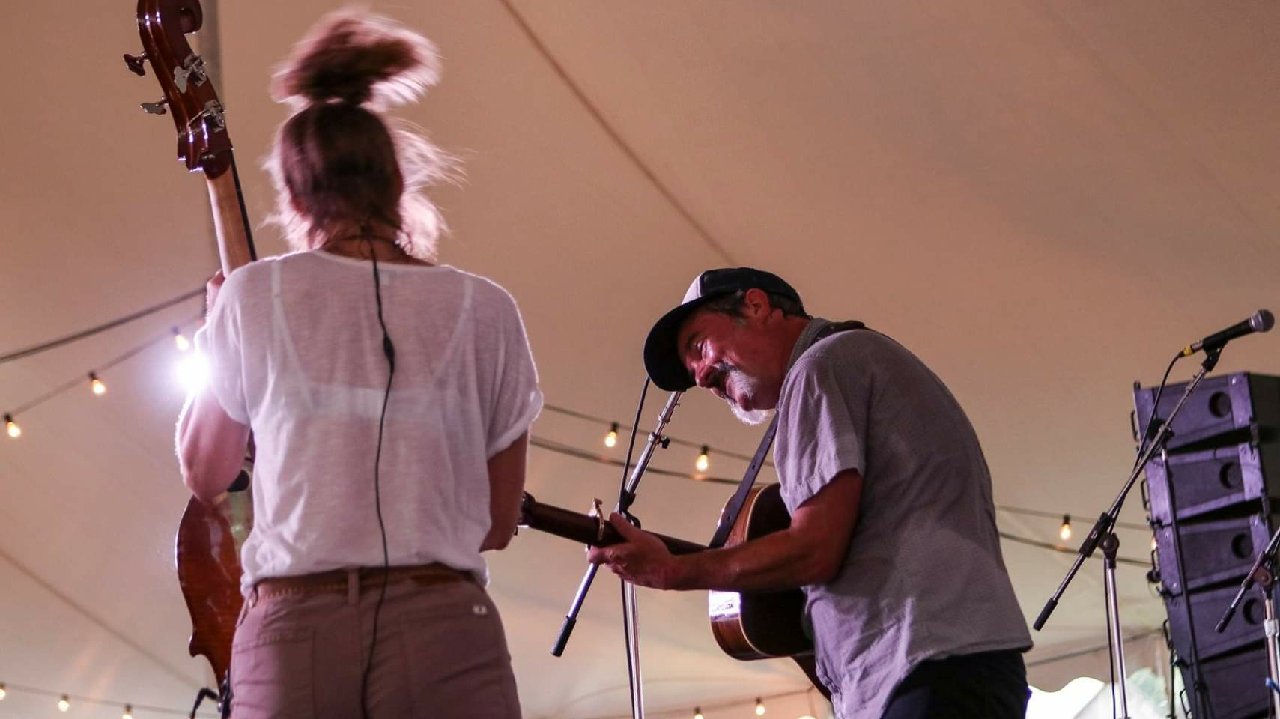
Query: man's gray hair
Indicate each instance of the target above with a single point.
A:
(731, 305)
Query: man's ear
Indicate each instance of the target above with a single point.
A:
(755, 304)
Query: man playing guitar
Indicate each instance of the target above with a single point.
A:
(892, 531)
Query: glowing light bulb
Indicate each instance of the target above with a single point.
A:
(12, 427)
(759, 707)
(611, 439)
(193, 372)
(703, 461)
(128, 712)
(180, 340)
(98, 386)
(64, 703)
(2, 691)
(697, 713)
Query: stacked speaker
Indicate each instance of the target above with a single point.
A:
(1212, 496)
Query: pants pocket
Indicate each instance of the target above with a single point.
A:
(272, 672)
(457, 659)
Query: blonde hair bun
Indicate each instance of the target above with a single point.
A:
(353, 56)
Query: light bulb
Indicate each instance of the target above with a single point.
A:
(759, 707)
(192, 373)
(12, 427)
(611, 439)
(99, 388)
(64, 703)
(128, 712)
(180, 340)
(1064, 532)
(2, 691)
(697, 713)
(703, 460)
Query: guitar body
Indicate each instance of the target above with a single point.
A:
(759, 625)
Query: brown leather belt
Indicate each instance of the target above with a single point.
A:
(358, 579)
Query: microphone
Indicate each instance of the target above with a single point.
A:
(1259, 321)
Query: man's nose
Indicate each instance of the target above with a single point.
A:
(703, 374)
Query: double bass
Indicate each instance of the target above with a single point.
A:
(209, 535)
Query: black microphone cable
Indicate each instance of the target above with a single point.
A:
(389, 351)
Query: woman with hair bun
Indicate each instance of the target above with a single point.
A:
(389, 398)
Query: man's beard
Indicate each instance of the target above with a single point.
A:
(742, 381)
(749, 416)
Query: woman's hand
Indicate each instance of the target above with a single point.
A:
(211, 289)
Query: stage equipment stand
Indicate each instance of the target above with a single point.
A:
(626, 496)
(1103, 535)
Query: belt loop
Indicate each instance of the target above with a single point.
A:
(353, 585)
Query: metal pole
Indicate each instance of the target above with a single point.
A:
(1110, 544)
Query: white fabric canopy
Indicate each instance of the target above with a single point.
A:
(1045, 201)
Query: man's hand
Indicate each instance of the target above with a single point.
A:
(642, 559)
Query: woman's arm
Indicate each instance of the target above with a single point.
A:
(506, 488)
(211, 446)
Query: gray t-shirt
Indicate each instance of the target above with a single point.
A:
(923, 577)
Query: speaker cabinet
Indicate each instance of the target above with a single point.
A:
(1210, 497)
(1212, 552)
(1233, 685)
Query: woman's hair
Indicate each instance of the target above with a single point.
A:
(337, 162)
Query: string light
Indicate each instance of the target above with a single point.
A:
(808, 698)
(759, 707)
(192, 373)
(697, 713)
(704, 462)
(64, 702)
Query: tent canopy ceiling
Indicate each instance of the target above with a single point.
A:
(1044, 201)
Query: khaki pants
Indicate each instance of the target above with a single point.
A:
(441, 653)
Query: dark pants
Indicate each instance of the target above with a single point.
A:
(991, 685)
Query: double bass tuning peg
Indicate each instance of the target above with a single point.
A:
(136, 64)
(155, 108)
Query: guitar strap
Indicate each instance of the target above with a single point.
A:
(734, 507)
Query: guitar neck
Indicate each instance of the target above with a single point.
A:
(585, 529)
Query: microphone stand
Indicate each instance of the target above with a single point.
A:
(1102, 535)
(626, 496)
(1263, 574)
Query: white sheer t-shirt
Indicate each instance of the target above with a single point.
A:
(296, 352)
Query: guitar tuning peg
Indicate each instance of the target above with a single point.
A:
(155, 108)
(135, 63)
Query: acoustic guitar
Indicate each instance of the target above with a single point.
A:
(746, 625)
